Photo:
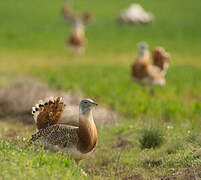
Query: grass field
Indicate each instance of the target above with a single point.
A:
(156, 136)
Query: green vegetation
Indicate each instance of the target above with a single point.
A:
(151, 137)
(34, 163)
(112, 85)
(32, 42)
(36, 25)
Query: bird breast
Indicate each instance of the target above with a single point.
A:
(87, 135)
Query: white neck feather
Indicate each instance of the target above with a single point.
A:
(86, 115)
(78, 27)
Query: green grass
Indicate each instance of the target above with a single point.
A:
(151, 137)
(37, 25)
(32, 42)
(112, 85)
(29, 162)
(123, 143)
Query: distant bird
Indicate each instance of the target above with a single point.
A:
(77, 40)
(143, 72)
(79, 141)
(66, 9)
(135, 14)
(161, 59)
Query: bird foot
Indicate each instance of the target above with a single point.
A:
(84, 173)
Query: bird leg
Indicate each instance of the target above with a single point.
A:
(152, 92)
(83, 172)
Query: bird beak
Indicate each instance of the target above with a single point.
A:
(95, 104)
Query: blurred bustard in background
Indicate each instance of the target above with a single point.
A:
(146, 73)
(77, 40)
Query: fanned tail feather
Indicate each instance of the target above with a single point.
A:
(161, 59)
(48, 112)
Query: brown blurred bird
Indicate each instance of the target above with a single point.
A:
(78, 141)
(66, 10)
(77, 40)
(143, 72)
(161, 59)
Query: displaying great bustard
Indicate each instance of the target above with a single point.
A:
(79, 141)
(146, 73)
(77, 40)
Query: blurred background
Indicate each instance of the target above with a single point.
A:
(141, 134)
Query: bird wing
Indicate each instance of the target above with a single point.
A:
(59, 134)
(67, 12)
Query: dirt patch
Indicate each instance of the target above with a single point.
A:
(134, 177)
(17, 100)
(191, 173)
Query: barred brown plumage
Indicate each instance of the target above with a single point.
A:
(58, 134)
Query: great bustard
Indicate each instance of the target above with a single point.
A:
(143, 72)
(78, 141)
(77, 40)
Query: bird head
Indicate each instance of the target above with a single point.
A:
(143, 54)
(142, 46)
(86, 106)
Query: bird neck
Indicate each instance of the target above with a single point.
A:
(78, 28)
(143, 55)
(87, 132)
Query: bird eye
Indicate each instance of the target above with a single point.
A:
(85, 102)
